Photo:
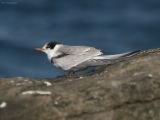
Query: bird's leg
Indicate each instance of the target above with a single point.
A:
(69, 73)
(86, 70)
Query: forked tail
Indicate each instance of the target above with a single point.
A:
(106, 59)
(116, 56)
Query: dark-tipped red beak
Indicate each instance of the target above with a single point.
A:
(40, 49)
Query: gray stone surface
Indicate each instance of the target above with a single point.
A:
(126, 90)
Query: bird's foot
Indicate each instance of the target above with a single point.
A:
(70, 73)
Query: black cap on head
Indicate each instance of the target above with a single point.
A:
(52, 44)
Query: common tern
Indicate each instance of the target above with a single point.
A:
(74, 58)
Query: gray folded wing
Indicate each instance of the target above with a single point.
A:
(105, 59)
(70, 61)
(80, 50)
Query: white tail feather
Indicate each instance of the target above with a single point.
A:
(111, 56)
(105, 59)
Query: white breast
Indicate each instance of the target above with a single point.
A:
(53, 52)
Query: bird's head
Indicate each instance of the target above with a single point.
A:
(49, 48)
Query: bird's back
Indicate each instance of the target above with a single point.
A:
(80, 50)
(75, 55)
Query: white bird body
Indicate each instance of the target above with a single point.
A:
(77, 57)
(73, 56)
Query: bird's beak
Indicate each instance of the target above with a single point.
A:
(40, 49)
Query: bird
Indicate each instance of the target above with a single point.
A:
(74, 58)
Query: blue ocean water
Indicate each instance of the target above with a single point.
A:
(115, 26)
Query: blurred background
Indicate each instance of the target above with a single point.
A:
(115, 26)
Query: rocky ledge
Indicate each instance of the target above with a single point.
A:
(126, 90)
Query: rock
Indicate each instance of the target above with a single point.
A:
(126, 90)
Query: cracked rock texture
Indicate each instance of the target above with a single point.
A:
(126, 90)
